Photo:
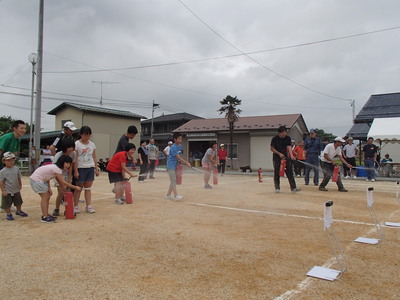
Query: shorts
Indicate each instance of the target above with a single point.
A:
(206, 165)
(115, 177)
(351, 160)
(85, 175)
(172, 177)
(7, 201)
(39, 187)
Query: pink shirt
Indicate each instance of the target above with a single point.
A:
(45, 173)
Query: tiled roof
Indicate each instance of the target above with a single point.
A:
(101, 110)
(172, 118)
(379, 106)
(244, 123)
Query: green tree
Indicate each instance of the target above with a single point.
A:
(5, 124)
(229, 108)
(322, 134)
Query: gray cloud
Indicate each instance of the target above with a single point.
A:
(81, 35)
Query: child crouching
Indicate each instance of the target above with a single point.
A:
(116, 171)
(40, 183)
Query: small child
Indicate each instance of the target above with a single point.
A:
(172, 164)
(68, 148)
(85, 168)
(40, 183)
(116, 171)
(11, 185)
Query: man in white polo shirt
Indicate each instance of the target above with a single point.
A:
(330, 152)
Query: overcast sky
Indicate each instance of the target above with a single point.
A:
(240, 48)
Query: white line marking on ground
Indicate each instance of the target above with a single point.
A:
(278, 214)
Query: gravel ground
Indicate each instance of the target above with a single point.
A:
(239, 240)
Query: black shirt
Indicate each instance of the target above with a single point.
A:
(144, 157)
(281, 144)
(370, 150)
(122, 143)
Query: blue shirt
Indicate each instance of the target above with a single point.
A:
(172, 160)
(313, 145)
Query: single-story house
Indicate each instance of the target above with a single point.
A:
(251, 141)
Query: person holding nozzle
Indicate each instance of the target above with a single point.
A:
(331, 151)
(281, 147)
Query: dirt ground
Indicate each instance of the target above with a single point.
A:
(239, 240)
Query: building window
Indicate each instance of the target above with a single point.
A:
(63, 122)
(234, 150)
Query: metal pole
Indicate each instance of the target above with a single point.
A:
(32, 59)
(38, 108)
(152, 117)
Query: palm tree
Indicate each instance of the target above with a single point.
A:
(229, 107)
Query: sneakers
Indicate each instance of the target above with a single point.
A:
(343, 190)
(347, 177)
(207, 186)
(90, 210)
(21, 213)
(169, 197)
(277, 190)
(295, 190)
(178, 197)
(56, 212)
(354, 177)
(10, 217)
(373, 179)
(123, 199)
(48, 219)
(323, 189)
(118, 201)
(76, 210)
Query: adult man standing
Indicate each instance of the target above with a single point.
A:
(330, 152)
(12, 141)
(166, 149)
(349, 154)
(369, 155)
(313, 147)
(281, 147)
(67, 133)
(153, 155)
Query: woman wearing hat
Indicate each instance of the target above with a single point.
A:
(222, 154)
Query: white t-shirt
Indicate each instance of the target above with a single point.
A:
(331, 151)
(166, 150)
(45, 173)
(350, 150)
(85, 154)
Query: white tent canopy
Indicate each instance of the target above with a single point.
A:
(385, 129)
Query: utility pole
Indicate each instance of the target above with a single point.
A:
(39, 65)
(155, 105)
(101, 88)
(353, 105)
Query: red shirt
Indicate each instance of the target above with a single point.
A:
(222, 154)
(299, 153)
(115, 164)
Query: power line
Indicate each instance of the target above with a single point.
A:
(257, 62)
(217, 57)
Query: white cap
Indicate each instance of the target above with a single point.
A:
(170, 143)
(8, 155)
(339, 139)
(70, 125)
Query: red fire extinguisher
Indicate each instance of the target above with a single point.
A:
(282, 168)
(69, 205)
(215, 176)
(260, 175)
(335, 174)
(128, 192)
(179, 174)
